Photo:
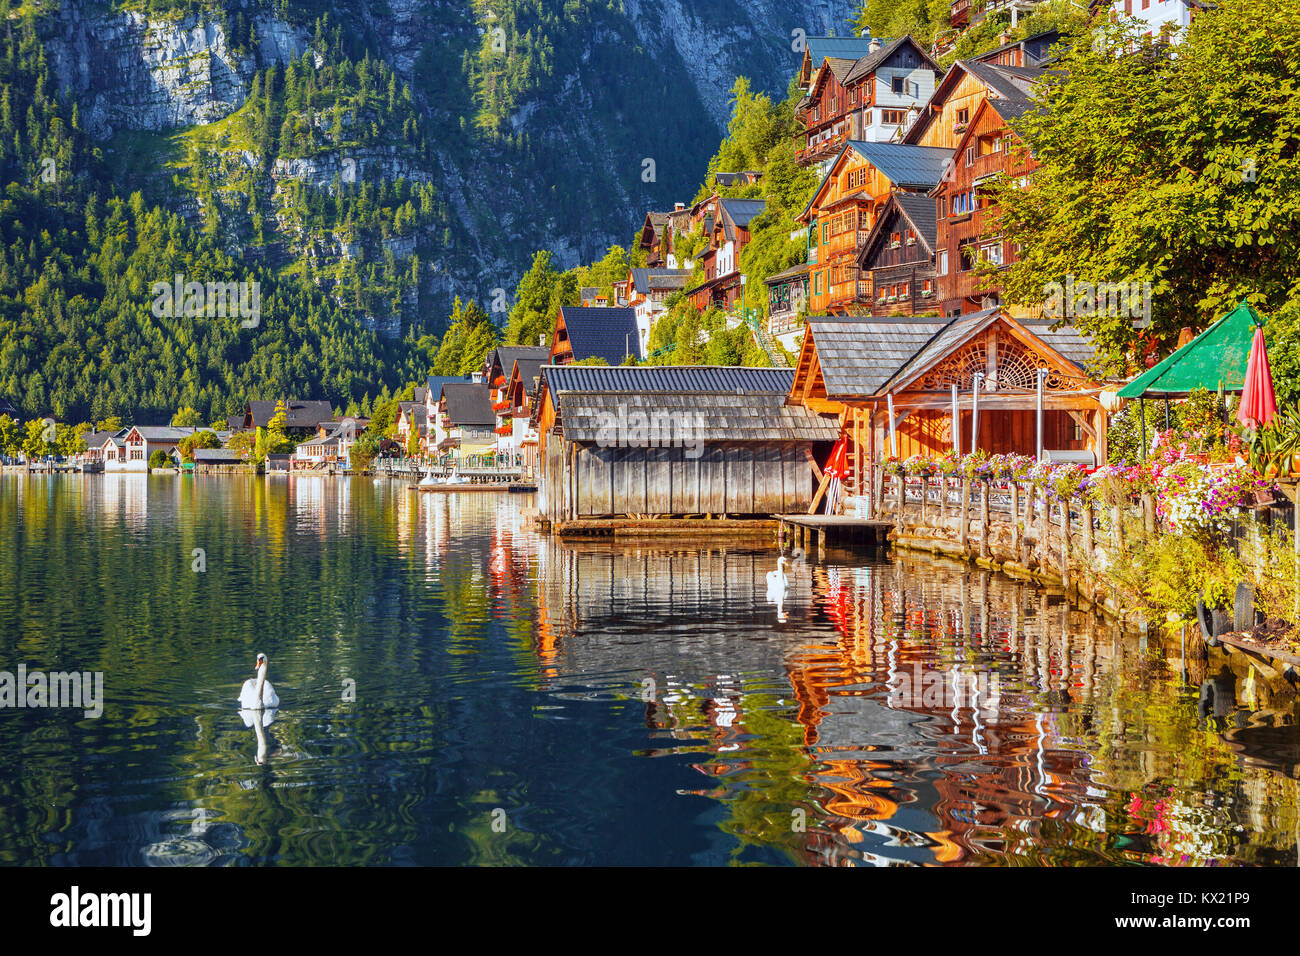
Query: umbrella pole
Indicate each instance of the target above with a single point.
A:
(1166, 413)
(1142, 416)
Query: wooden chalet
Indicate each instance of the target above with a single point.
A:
(519, 391)
(867, 98)
(844, 208)
(850, 368)
(498, 366)
(967, 84)
(787, 299)
(674, 441)
(899, 258)
(654, 239)
(300, 417)
(728, 234)
(818, 49)
(1034, 50)
(582, 333)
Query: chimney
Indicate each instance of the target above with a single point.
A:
(874, 45)
(477, 378)
(678, 206)
(541, 339)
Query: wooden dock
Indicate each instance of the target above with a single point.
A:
(749, 528)
(481, 487)
(803, 531)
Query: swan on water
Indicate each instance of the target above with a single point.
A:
(777, 582)
(258, 692)
(428, 478)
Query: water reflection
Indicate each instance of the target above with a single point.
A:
(631, 702)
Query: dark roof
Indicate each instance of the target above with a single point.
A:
(436, 382)
(668, 378)
(1039, 41)
(742, 176)
(642, 279)
(916, 208)
(216, 455)
(94, 439)
(846, 48)
(872, 61)
(663, 281)
(693, 416)
(504, 356)
(469, 403)
(917, 166)
(529, 369)
(859, 355)
(741, 211)
(1011, 86)
(793, 272)
(840, 67)
(596, 332)
(305, 414)
(235, 422)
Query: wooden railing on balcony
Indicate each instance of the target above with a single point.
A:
(823, 150)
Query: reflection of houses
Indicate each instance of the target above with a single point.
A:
(852, 367)
(673, 440)
(609, 334)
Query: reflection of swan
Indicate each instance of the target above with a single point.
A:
(258, 693)
(250, 718)
(378, 481)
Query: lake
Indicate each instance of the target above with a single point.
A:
(458, 689)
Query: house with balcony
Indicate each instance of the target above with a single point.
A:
(141, 441)
(844, 208)
(970, 252)
(301, 418)
(728, 235)
(946, 116)
(332, 445)
(899, 257)
(869, 99)
(818, 49)
(497, 369)
(648, 290)
(1035, 50)
(521, 385)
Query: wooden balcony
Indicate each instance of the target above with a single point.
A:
(822, 151)
(959, 13)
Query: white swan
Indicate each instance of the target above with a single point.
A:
(258, 692)
(777, 583)
(428, 479)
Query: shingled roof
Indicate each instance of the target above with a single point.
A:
(859, 355)
(706, 416)
(468, 403)
(668, 378)
(606, 333)
(298, 414)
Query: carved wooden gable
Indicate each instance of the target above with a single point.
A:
(1006, 361)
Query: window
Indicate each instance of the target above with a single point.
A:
(943, 262)
(896, 85)
(966, 253)
(970, 155)
(857, 177)
(826, 233)
(893, 117)
(963, 117)
(992, 252)
(943, 207)
(927, 287)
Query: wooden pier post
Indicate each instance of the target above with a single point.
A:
(984, 519)
(1015, 518)
(1088, 544)
(900, 498)
(963, 537)
(821, 545)
(1148, 512)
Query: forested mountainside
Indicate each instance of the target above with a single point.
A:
(364, 162)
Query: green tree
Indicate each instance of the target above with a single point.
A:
(10, 436)
(1165, 168)
(186, 417)
(203, 439)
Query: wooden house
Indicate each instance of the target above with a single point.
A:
(301, 418)
(520, 389)
(1033, 50)
(787, 300)
(581, 333)
(728, 235)
(899, 257)
(673, 441)
(653, 238)
(870, 98)
(853, 367)
(968, 83)
(648, 290)
(844, 208)
(498, 368)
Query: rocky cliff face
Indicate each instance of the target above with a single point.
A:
(579, 184)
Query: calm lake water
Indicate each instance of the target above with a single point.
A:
(520, 700)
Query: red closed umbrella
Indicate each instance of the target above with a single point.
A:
(1258, 403)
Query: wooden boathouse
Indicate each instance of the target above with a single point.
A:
(674, 441)
(951, 383)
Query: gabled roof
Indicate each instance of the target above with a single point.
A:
(643, 280)
(916, 167)
(846, 48)
(859, 355)
(436, 382)
(527, 370)
(94, 439)
(785, 275)
(741, 211)
(505, 356)
(304, 414)
(667, 378)
(1012, 84)
(606, 333)
(873, 61)
(917, 209)
(468, 403)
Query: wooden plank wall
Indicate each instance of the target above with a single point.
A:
(732, 478)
